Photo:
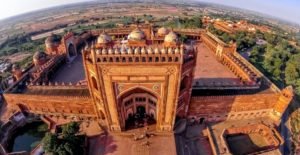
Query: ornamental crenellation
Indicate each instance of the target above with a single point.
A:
(146, 71)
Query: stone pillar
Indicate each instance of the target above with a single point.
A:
(111, 103)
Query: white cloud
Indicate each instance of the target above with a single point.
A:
(14, 7)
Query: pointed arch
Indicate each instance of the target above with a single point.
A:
(141, 89)
(94, 83)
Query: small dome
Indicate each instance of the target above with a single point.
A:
(136, 34)
(129, 51)
(52, 39)
(150, 51)
(162, 31)
(171, 37)
(104, 51)
(110, 51)
(103, 39)
(39, 56)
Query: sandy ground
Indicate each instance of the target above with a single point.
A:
(17, 57)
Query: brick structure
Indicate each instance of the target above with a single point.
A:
(234, 26)
(144, 74)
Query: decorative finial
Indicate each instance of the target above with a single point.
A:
(177, 51)
(129, 51)
(137, 50)
(104, 51)
(150, 51)
(163, 51)
(170, 51)
(156, 51)
(110, 51)
(143, 51)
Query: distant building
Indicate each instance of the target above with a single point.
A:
(233, 27)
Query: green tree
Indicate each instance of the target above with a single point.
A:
(70, 128)
(255, 54)
(292, 70)
(66, 143)
(225, 37)
(50, 142)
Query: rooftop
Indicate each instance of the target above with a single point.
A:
(209, 70)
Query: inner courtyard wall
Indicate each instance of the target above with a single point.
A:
(220, 108)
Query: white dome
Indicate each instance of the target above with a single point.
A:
(171, 37)
(103, 39)
(162, 31)
(136, 34)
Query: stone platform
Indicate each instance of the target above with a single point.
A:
(125, 144)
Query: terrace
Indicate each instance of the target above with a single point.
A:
(210, 72)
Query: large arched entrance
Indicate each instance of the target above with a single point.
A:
(138, 108)
(72, 51)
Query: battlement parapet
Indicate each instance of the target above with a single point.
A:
(247, 73)
(254, 70)
(134, 55)
(56, 85)
(226, 85)
(215, 38)
(25, 96)
(50, 62)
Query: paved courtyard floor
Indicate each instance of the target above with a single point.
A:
(192, 141)
(209, 70)
(246, 143)
(122, 144)
(70, 72)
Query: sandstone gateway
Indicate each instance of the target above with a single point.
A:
(143, 75)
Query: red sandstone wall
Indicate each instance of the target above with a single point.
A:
(206, 105)
(54, 105)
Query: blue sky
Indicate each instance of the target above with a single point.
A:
(286, 9)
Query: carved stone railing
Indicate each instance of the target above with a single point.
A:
(56, 85)
(137, 55)
(256, 71)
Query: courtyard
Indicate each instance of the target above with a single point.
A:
(209, 70)
(246, 143)
(70, 72)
